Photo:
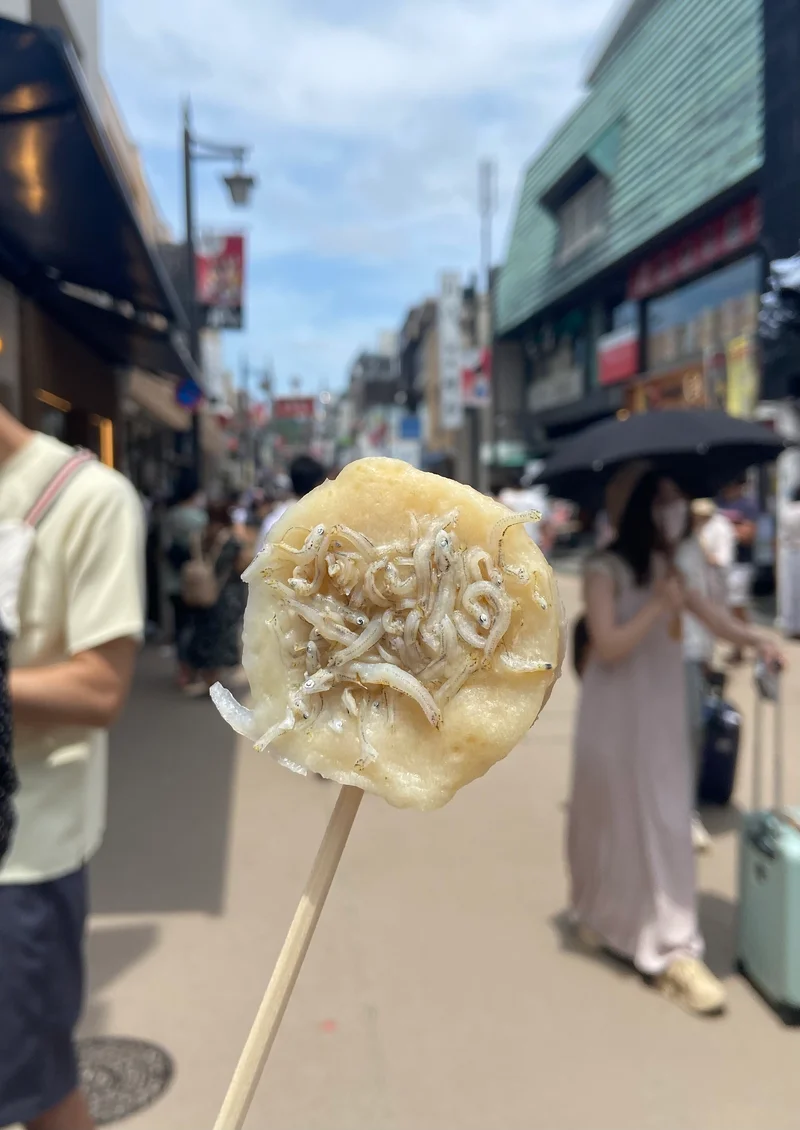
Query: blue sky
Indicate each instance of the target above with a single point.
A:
(367, 122)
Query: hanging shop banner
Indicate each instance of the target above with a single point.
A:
(219, 272)
(736, 229)
(742, 384)
(451, 407)
(476, 377)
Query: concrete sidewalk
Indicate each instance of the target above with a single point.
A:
(440, 992)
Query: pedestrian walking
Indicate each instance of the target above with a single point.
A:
(737, 506)
(8, 776)
(305, 474)
(215, 596)
(79, 613)
(717, 539)
(630, 853)
(698, 652)
(185, 521)
(789, 567)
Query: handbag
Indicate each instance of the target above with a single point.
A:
(200, 585)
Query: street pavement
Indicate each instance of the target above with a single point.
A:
(441, 991)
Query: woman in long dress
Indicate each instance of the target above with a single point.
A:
(629, 840)
(789, 567)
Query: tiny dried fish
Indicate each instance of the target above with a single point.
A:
(501, 528)
(274, 732)
(384, 674)
(324, 622)
(421, 613)
(523, 667)
(359, 542)
(308, 551)
(368, 751)
(361, 645)
(371, 590)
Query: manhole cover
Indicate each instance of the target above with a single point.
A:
(122, 1076)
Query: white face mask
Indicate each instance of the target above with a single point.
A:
(671, 519)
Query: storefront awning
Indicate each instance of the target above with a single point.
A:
(69, 236)
(157, 397)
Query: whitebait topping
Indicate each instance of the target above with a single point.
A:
(412, 621)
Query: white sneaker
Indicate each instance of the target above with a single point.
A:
(691, 985)
(701, 841)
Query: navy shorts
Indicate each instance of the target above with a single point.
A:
(41, 993)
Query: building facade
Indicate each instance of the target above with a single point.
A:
(85, 302)
(636, 259)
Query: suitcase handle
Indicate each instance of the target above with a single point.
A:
(767, 685)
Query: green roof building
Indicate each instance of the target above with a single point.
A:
(630, 217)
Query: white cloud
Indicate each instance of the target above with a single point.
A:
(367, 122)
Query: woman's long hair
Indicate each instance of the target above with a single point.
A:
(638, 537)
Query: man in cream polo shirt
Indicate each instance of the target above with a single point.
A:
(80, 609)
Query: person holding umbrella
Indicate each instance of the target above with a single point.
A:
(630, 852)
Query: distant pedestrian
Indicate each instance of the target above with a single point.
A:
(80, 617)
(717, 539)
(185, 521)
(213, 637)
(630, 850)
(789, 567)
(305, 473)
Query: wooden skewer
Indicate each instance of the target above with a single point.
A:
(265, 1027)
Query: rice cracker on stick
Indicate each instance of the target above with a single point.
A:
(402, 634)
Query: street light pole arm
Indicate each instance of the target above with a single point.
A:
(202, 150)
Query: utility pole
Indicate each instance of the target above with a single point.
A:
(486, 421)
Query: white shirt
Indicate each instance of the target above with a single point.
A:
(275, 513)
(698, 642)
(718, 539)
(83, 586)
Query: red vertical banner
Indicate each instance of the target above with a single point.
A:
(219, 274)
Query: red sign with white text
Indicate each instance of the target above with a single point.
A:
(617, 356)
(293, 407)
(734, 230)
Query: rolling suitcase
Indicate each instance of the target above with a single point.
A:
(768, 945)
(722, 726)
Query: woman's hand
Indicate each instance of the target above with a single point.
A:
(770, 654)
(670, 593)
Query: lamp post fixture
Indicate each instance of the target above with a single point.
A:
(240, 186)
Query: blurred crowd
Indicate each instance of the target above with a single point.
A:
(197, 552)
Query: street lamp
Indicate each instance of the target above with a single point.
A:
(240, 185)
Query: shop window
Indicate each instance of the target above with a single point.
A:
(624, 317)
(699, 320)
(582, 219)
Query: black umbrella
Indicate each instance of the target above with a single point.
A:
(701, 449)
